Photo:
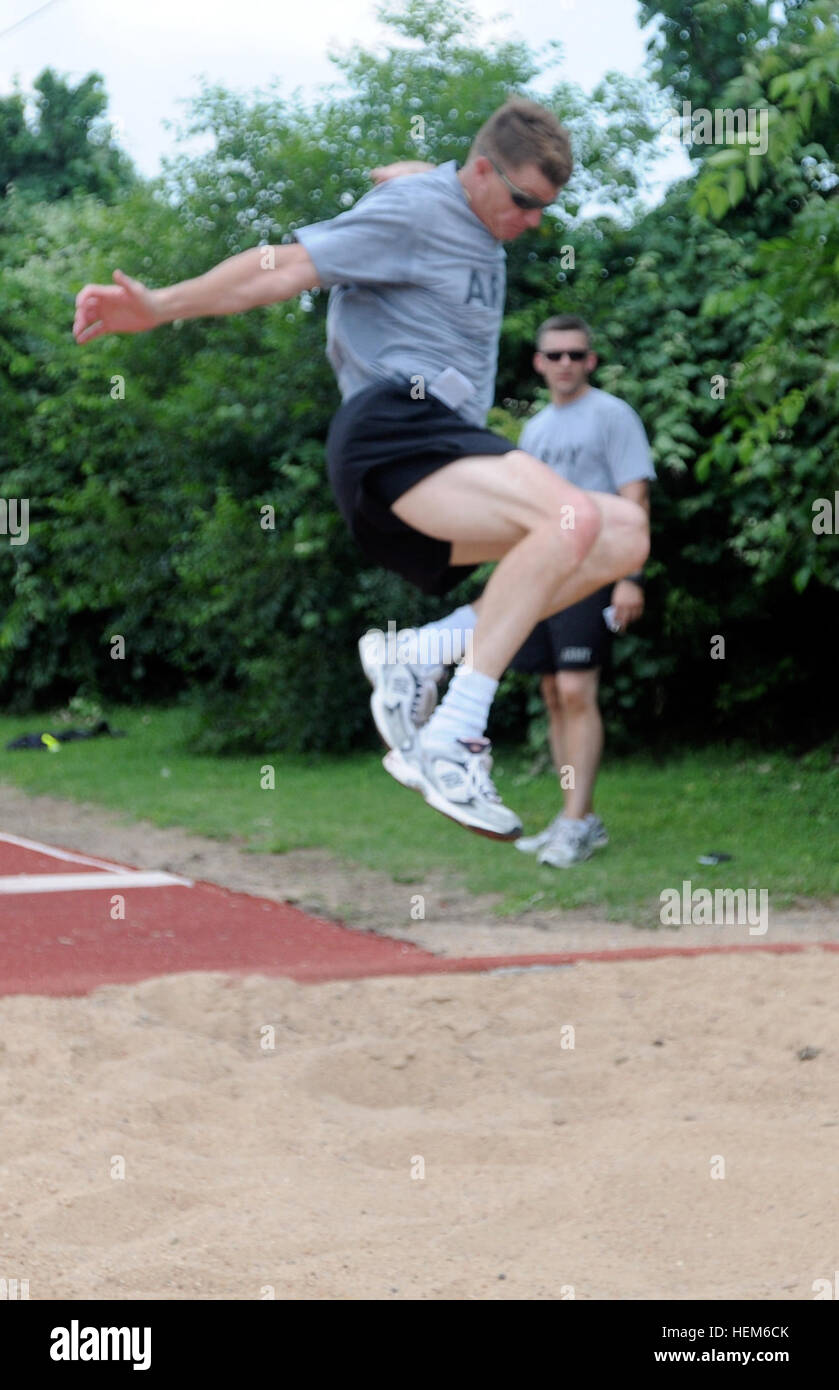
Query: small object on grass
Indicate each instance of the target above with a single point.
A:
(53, 741)
(714, 856)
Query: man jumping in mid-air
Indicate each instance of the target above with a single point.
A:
(417, 274)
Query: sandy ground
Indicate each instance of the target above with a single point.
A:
(546, 1168)
(431, 1138)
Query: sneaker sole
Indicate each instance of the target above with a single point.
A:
(378, 709)
(410, 776)
(392, 735)
(391, 731)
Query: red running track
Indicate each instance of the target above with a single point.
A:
(57, 940)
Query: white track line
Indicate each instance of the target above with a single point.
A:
(64, 854)
(84, 883)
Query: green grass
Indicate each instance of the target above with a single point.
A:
(774, 814)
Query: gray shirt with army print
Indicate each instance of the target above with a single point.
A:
(417, 288)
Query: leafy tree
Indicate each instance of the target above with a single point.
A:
(152, 462)
(698, 46)
(68, 149)
(793, 83)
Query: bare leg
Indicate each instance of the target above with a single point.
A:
(576, 735)
(550, 695)
(555, 543)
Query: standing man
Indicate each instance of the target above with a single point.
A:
(416, 272)
(596, 441)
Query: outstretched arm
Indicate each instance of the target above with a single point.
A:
(261, 275)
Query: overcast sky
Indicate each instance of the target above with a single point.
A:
(152, 53)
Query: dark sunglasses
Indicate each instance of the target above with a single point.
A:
(576, 354)
(525, 201)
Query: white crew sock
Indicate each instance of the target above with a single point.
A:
(447, 641)
(464, 710)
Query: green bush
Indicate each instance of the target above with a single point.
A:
(148, 461)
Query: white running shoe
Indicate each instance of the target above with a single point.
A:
(570, 843)
(454, 778)
(404, 695)
(531, 844)
(598, 835)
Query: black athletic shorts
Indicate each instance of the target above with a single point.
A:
(380, 443)
(577, 639)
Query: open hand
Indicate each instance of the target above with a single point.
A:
(126, 307)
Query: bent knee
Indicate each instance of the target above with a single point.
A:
(588, 521)
(578, 525)
(554, 504)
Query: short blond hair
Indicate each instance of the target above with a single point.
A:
(522, 132)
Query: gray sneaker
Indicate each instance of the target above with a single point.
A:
(570, 843)
(531, 844)
(454, 778)
(598, 834)
(404, 695)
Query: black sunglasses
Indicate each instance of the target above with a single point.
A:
(576, 354)
(525, 201)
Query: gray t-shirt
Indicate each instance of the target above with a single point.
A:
(417, 290)
(596, 442)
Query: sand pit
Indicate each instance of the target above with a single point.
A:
(547, 1169)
